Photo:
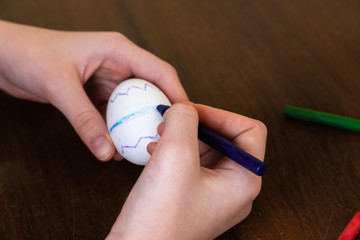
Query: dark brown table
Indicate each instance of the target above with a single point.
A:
(249, 57)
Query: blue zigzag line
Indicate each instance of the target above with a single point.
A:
(129, 88)
(136, 145)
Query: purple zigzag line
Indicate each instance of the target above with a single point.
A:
(129, 88)
(136, 145)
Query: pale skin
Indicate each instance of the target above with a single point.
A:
(187, 190)
(57, 67)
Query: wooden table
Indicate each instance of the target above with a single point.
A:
(249, 57)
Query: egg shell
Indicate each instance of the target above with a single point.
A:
(132, 118)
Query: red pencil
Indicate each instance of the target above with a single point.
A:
(352, 229)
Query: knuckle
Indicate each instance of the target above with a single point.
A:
(258, 134)
(171, 70)
(253, 187)
(116, 36)
(250, 141)
(244, 212)
(261, 127)
(114, 40)
(255, 190)
(165, 71)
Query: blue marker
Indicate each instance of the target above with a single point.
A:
(226, 147)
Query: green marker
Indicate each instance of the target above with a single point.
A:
(322, 118)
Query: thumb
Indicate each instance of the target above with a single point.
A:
(86, 120)
(178, 143)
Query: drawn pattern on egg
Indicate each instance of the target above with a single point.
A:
(132, 118)
(139, 113)
(141, 138)
(146, 85)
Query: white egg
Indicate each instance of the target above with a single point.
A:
(132, 118)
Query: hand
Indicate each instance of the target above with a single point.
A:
(52, 67)
(179, 194)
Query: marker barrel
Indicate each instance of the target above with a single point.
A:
(225, 147)
(322, 118)
(230, 150)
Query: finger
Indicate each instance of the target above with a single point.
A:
(123, 59)
(178, 145)
(85, 119)
(151, 147)
(117, 157)
(160, 128)
(246, 133)
(151, 68)
(206, 156)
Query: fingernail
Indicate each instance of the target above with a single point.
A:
(101, 148)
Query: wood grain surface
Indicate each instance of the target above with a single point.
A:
(249, 57)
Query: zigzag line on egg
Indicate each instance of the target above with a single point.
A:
(136, 145)
(129, 88)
